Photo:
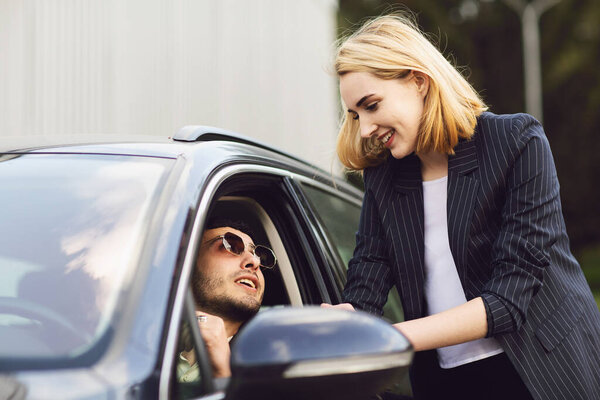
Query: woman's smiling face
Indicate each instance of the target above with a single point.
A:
(389, 109)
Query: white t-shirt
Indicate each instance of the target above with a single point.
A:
(443, 288)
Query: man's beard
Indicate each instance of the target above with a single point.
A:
(208, 300)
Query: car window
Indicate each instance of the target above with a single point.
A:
(71, 226)
(278, 220)
(189, 377)
(340, 218)
(300, 274)
(263, 202)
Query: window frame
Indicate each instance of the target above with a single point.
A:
(393, 310)
(315, 283)
(315, 218)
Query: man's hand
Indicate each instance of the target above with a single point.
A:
(342, 306)
(215, 338)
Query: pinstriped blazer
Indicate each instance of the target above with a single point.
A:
(508, 239)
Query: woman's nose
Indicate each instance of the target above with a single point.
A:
(367, 128)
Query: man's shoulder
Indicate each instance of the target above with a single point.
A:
(187, 372)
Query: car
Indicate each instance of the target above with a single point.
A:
(99, 238)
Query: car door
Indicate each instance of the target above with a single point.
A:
(308, 223)
(266, 197)
(335, 214)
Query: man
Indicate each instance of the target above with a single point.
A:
(228, 287)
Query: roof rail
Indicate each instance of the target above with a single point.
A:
(203, 133)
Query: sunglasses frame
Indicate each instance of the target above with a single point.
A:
(228, 247)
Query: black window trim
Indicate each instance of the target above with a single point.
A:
(355, 199)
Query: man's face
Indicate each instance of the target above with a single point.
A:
(226, 284)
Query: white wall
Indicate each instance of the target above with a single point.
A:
(258, 67)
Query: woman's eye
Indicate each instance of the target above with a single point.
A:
(372, 106)
(354, 115)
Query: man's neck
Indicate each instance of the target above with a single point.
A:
(231, 327)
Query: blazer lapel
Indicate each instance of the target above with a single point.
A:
(462, 193)
(406, 222)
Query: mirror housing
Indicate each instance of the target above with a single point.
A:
(314, 353)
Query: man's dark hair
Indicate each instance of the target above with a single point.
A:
(218, 221)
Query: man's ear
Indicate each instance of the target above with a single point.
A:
(422, 82)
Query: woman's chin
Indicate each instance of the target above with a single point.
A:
(399, 153)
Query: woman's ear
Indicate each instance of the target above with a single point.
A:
(422, 82)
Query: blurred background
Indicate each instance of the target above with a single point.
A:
(256, 67)
(263, 68)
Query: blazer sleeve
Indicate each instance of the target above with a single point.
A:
(368, 271)
(531, 223)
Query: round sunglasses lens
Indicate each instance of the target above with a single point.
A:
(267, 258)
(236, 243)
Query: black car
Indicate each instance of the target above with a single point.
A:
(96, 251)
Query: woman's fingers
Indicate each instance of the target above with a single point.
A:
(342, 306)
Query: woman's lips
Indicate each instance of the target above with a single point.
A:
(388, 138)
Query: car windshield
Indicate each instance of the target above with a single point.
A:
(70, 237)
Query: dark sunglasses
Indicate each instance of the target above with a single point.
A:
(235, 245)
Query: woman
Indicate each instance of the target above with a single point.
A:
(462, 213)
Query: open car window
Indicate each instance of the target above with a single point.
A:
(262, 202)
(302, 275)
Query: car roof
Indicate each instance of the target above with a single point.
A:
(73, 143)
(142, 145)
(191, 142)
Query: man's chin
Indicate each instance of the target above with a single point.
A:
(242, 309)
(233, 308)
(245, 310)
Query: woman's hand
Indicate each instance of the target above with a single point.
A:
(342, 306)
(215, 338)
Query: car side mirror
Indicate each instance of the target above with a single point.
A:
(316, 353)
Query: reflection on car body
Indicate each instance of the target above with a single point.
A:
(97, 249)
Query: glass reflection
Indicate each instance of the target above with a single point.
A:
(71, 231)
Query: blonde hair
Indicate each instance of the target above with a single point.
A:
(390, 47)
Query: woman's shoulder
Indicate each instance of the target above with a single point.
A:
(505, 137)
(511, 126)
(507, 132)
